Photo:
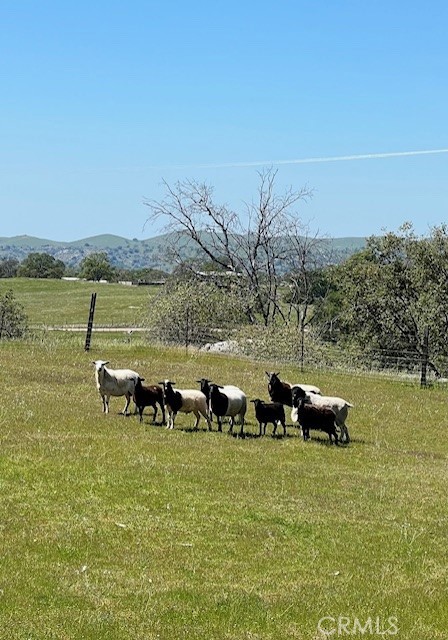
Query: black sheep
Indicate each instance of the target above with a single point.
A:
(310, 416)
(279, 391)
(272, 412)
(149, 396)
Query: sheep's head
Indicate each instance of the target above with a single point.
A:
(273, 377)
(214, 389)
(99, 364)
(298, 394)
(166, 384)
(204, 385)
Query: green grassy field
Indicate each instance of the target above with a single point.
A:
(59, 302)
(113, 529)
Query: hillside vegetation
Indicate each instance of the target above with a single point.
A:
(117, 530)
(129, 254)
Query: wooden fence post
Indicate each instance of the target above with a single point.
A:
(425, 358)
(90, 322)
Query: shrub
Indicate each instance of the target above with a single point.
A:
(13, 320)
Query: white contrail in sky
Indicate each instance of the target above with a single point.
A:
(259, 163)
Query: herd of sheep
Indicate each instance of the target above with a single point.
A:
(309, 408)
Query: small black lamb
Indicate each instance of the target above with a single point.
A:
(273, 412)
(149, 396)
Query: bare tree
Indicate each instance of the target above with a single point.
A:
(252, 247)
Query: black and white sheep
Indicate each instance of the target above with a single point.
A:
(310, 416)
(184, 401)
(114, 382)
(280, 391)
(338, 405)
(149, 396)
(269, 412)
(205, 383)
(228, 401)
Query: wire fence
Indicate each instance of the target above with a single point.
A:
(314, 355)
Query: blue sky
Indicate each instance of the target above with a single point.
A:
(101, 101)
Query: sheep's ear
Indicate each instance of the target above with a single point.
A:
(142, 379)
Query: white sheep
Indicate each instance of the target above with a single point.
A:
(185, 401)
(339, 406)
(114, 382)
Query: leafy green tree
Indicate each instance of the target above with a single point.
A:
(394, 290)
(327, 307)
(190, 312)
(41, 265)
(13, 320)
(97, 266)
(9, 267)
(141, 275)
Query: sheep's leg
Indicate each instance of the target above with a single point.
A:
(207, 417)
(219, 421)
(105, 400)
(275, 423)
(335, 436)
(140, 411)
(344, 434)
(163, 413)
(198, 417)
(242, 426)
(128, 402)
(154, 406)
(284, 429)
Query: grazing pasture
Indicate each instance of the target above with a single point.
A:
(115, 529)
(59, 302)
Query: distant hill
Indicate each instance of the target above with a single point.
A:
(134, 254)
